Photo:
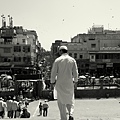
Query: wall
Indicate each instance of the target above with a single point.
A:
(97, 93)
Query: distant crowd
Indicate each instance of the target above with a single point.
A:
(13, 108)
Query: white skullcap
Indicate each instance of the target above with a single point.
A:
(63, 48)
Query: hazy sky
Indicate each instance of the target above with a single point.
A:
(61, 19)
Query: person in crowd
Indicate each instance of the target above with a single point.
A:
(25, 113)
(21, 96)
(5, 107)
(14, 107)
(45, 108)
(40, 108)
(19, 109)
(64, 77)
(9, 107)
(26, 102)
(1, 108)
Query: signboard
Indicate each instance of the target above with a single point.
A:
(92, 66)
(109, 64)
(100, 66)
(109, 48)
(106, 60)
(5, 64)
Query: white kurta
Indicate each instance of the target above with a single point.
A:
(64, 72)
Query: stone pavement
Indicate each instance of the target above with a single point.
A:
(85, 109)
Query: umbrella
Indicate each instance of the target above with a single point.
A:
(101, 76)
(8, 77)
(111, 76)
(82, 76)
(3, 75)
(93, 77)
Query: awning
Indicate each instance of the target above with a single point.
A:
(28, 80)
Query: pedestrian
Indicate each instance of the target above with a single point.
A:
(64, 77)
(21, 96)
(26, 102)
(4, 107)
(40, 108)
(9, 107)
(19, 109)
(45, 108)
(1, 108)
(14, 107)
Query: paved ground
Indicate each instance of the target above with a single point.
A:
(85, 109)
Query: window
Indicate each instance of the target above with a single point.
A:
(17, 59)
(26, 48)
(92, 56)
(17, 49)
(105, 45)
(26, 59)
(93, 45)
(97, 56)
(7, 50)
(70, 54)
(5, 59)
(81, 56)
(75, 55)
(23, 40)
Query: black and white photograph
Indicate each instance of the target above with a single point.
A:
(60, 59)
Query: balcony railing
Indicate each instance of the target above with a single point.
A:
(98, 83)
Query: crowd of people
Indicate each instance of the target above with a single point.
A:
(13, 108)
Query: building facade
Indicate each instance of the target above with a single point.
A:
(97, 52)
(19, 49)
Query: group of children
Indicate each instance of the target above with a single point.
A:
(43, 108)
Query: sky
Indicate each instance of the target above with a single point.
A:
(61, 19)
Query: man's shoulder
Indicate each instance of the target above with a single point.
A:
(62, 58)
(57, 59)
(71, 58)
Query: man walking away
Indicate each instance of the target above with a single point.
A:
(64, 76)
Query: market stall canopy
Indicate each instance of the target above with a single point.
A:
(82, 76)
(8, 77)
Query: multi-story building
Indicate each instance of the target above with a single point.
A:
(19, 48)
(77, 50)
(104, 51)
(97, 52)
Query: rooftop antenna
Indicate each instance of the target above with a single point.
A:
(10, 21)
(3, 21)
(108, 26)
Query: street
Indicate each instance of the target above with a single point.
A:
(85, 109)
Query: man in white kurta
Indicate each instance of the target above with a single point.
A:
(65, 76)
